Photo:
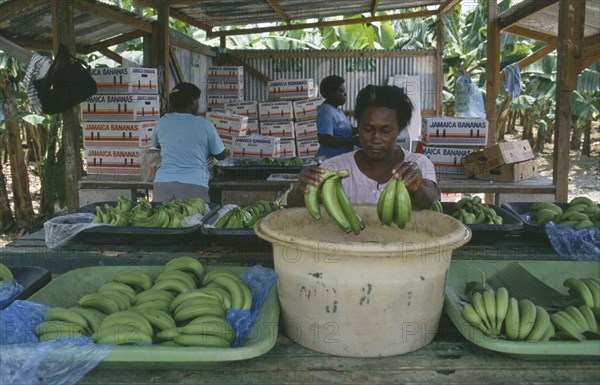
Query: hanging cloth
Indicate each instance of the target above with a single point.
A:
(512, 80)
(36, 69)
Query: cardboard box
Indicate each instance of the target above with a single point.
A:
(228, 124)
(290, 89)
(253, 128)
(247, 108)
(233, 89)
(113, 161)
(256, 146)
(514, 172)
(125, 80)
(306, 129)
(307, 148)
(287, 148)
(446, 160)
(118, 134)
(120, 108)
(225, 73)
(497, 155)
(406, 140)
(284, 130)
(448, 131)
(306, 109)
(275, 111)
(217, 102)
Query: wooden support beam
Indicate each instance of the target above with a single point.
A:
(63, 27)
(13, 9)
(190, 20)
(332, 23)
(159, 3)
(11, 49)
(571, 21)
(591, 51)
(85, 49)
(248, 68)
(532, 34)
(277, 8)
(493, 69)
(187, 42)
(34, 45)
(112, 13)
(439, 58)
(374, 7)
(110, 54)
(176, 67)
(537, 55)
(521, 11)
(161, 48)
(447, 6)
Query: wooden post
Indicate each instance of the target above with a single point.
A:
(63, 27)
(161, 51)
(493, 69)
(571, 20)
(439, 55)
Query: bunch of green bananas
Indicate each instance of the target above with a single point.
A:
(581, 213)
(183, 306)
(573, 323)
(522, 320)
(288, 162)
(393, 205)
(5, 273)
(437, 207)
(168, 214)
(335, 200)
(246, 217)
(471, 210)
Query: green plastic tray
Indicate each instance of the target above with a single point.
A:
(552, 273)
(69, 287)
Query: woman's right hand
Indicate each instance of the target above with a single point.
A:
(310, 175)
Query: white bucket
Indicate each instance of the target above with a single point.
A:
(379, 293)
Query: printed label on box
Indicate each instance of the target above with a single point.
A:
(307, 148)
(256, 145)
(287, 148)
(125, 80)
(275, 111)
(228, 124)
(225, 72)
(118, 134)
(307, 109)
(121, 108)
(284, 130)
(246, 108)
(113, 161)
(306, 129)
(217, 102)
(455, 131)
(290, 89)
(446, 160)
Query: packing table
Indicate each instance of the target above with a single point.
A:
(449, 359)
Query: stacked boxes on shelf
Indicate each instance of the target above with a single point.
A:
(505, 162)
(225, 84)
(277, 120)
(118, 121)
(447, 140)
(247, 108)
(305, 114)
(229, 126)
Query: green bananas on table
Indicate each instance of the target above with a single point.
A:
(394, 205)
(471, 211)
(581, 213)
(335, 201)
(184, 305)
(246, 217)
(5, 273)
(167, 215)
(437, 207)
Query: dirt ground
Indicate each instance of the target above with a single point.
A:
(584, 177)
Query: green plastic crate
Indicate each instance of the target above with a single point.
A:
(69, 287)
(552, 273)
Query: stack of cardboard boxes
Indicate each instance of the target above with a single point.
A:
(118, 121)
(225, 84)
(447, 140)
(305, 114)
(504, 162)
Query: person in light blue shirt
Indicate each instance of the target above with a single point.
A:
(186, 142)
(334, 131)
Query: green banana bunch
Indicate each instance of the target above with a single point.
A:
(293, 162)
(585, 290)
(241, 298)
(246, 217)
(311, 198)
(581, 213)
(437, 207)
(471, 211)
(394, 205)
(574, 323)
(493, 312)
(5, 273)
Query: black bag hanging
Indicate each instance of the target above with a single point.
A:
(64, 88)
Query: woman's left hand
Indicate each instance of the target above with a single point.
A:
(410, 173)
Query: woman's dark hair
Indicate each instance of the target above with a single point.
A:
(183, 94)
(384, 96)
(330, 85)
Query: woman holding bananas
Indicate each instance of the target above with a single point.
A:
(382, 112)
(186, 141)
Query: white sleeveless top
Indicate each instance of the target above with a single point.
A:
(362, 189)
